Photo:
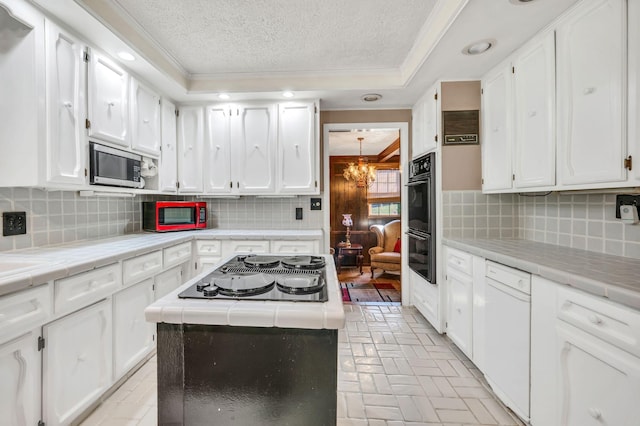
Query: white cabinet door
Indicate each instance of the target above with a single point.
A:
(591, 52)
(132, 335)
(66, 74)
(168, 281)
(417, 128)
(168, 171)
(430, 128)
(298, 149)
(496, 128)
(145, 119)
(77, 362)
(20, 381)
(255, 135)
(534, 95)
(460, 310)
(244, 246)
(190, 143)
(295, 247)
(599, 383)
(108, 100)
(217, 171)
(634, 86)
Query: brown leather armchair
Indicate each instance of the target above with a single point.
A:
(383, 255)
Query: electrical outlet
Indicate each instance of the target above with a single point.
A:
(629, 200)
(298, 213)
(14, 223)
(316, 204)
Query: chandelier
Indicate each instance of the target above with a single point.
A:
(362, 174)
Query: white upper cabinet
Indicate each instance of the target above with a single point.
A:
(297, 148)
(66, 76)
(145, 119)
(497, 127)
(534, 110)
(108, 100)
(424, 136)
(634, 87)
(591, 58)
(168, 168)
(218, 151)
(255, 133)
(190, 143)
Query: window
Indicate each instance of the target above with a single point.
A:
(383, 197)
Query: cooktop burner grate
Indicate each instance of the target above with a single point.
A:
(277, 271)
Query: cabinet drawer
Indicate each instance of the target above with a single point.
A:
(209, 247)
(24, 310)
(459, 260)
(607, 320)
(293, 246)
(86, 288)
(177, 254)
(246, 246)
(509, 276)
(205, 263)
(141, 267)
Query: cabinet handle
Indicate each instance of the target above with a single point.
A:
(589, 90)
(595, 319)
(110, 104)
(297, 146)
(217, 146)
(93, 284)
(595, 413)
(459, 310)
(256, 147)
(67, 104)
(145, 121)
(533, 113)
(496, 129)
(82, 357)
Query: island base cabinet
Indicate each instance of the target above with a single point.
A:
(226, 375)
(20, 381)
(76, 363)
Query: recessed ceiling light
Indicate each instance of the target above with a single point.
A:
(371, 97)
(287, 94)
(126, 56)
(478, 47)
(223, 96)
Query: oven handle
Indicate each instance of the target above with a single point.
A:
(417, 182)
(416, 236)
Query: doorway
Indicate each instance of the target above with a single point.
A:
(385, 145)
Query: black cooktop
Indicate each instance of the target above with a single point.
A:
(264, 277)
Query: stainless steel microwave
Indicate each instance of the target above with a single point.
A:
(114, 167)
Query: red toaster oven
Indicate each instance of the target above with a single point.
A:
(163, 216)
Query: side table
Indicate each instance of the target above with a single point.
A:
(354, 250)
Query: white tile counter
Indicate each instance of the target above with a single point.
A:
(309, 315)
(614, 277)
(32, 267)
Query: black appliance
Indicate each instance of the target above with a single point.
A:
(114, 167)
(422, 216)
(264, 277)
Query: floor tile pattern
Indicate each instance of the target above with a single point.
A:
(394, 369)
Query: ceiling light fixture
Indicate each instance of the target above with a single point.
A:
(371, 97)
(362, 174)
(126, 56)
(478, 47)
(519, 2)
(287, 94)
(223, 96)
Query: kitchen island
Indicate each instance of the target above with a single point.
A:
(229, 361)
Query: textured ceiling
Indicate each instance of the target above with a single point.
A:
(332, 50)
(251, 36)
(373, 142)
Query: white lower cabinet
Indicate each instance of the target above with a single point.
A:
(459, 325)
(295, 247)
(77, 362)
(168, 281)
(245, 246)
(20, 381)
(133, 337)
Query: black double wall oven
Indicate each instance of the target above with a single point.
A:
(422, 216)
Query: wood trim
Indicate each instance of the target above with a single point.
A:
(389, 152)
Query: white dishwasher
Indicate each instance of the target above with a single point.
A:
(507, 333)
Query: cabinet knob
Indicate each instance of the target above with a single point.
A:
(496, 129)
(67, 104)
(111, 103)
(588, 90)
(93, 284)
(297, 146)
(595, 319)
(256, 146)
(595, 413)
(533, 113)
(82, 357)
(459, 310)
(145, 121)
(217, 146)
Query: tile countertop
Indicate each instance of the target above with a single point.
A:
(32, 267)
(614, 277)
(252, 313)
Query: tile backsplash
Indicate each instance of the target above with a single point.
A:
(573, 220)
(57, 217)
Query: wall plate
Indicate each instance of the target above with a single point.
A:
(630, 200)
(316, 204)
(14, 223)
